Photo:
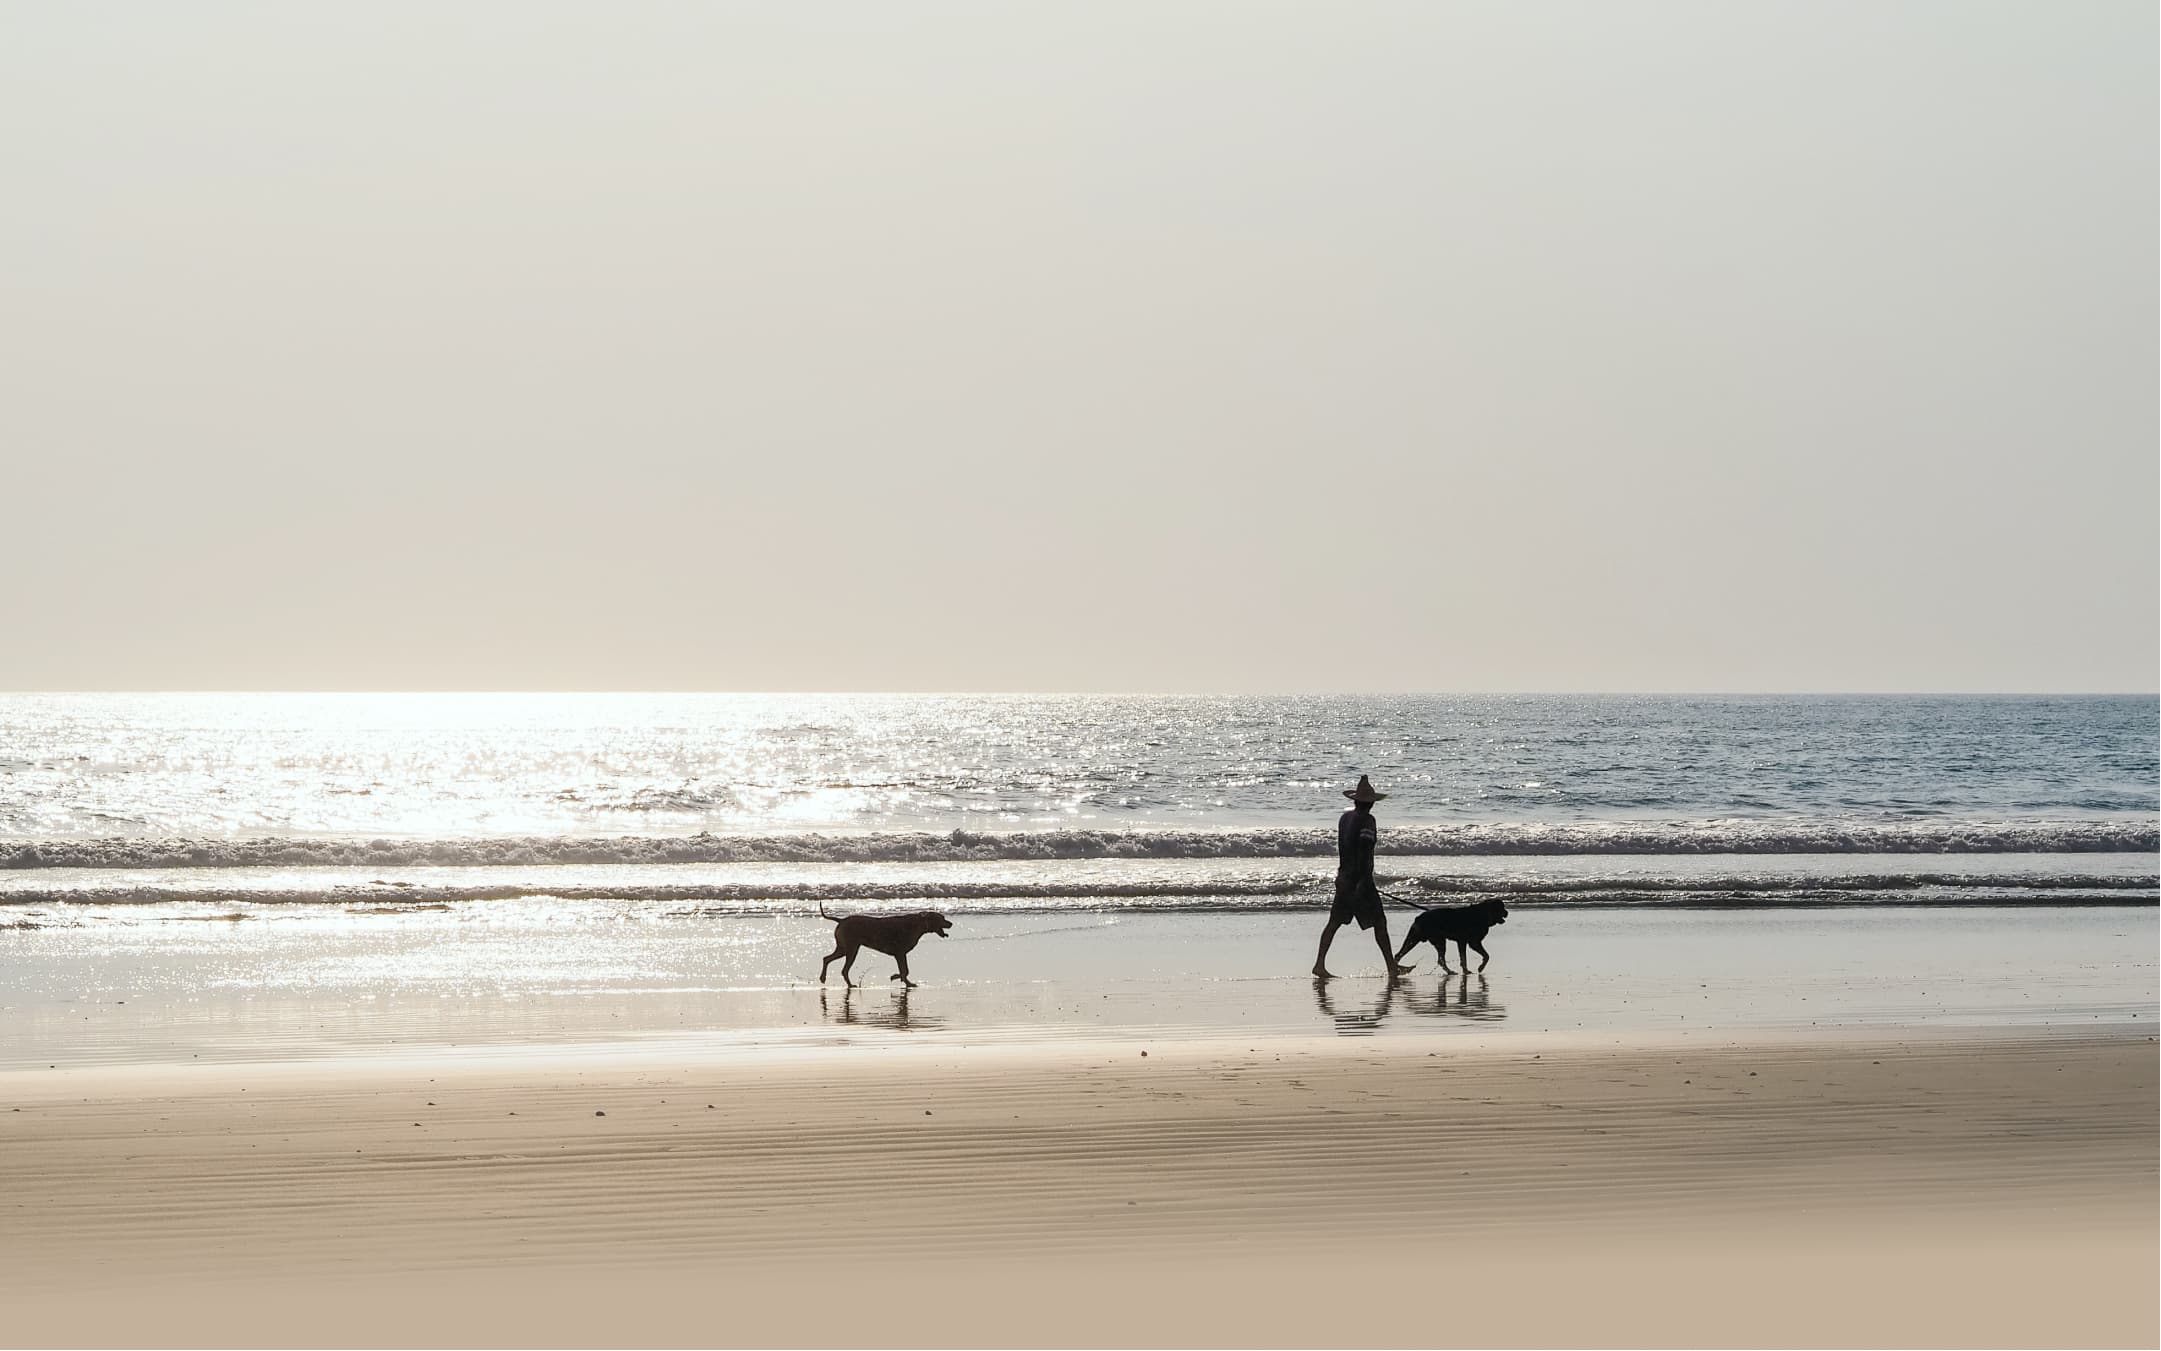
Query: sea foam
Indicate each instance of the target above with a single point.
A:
(1934, 836)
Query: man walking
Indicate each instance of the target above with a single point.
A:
(1356, 895)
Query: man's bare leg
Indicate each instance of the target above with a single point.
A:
(1320, 959)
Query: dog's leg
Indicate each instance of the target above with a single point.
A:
(902, 974)
(1380, 940)
(826, 965)
(1483, 957)
(847, 966)
(1409, 941)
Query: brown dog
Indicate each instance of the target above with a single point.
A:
(893, 935)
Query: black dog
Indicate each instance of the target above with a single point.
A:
(1463, 925)
(893, 935)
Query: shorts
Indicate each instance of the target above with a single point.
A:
(1359, 900)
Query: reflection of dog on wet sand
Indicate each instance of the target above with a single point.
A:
(893, 1013)
(1464, 925)
(893, 935)
(1457, 997)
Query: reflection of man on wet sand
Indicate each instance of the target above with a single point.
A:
(1356, 895)
(1357, 1022)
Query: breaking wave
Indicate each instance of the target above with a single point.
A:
(1471, 840)
(1271, 893)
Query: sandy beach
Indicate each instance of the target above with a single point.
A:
(549, 1123)
(1829, 1189)
(1039, 675)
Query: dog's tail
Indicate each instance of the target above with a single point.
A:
(1400, 901)
(822, 915)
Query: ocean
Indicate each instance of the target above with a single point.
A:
(1097, 803)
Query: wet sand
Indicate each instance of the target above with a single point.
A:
(298, 984)
(1872, 1187)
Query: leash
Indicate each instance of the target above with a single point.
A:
(1387, 896)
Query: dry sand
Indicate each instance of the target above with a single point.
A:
(1936, 1191)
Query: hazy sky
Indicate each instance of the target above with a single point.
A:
(1139, 346)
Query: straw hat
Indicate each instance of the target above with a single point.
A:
(1364, 791)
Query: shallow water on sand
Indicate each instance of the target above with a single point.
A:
(516, 973)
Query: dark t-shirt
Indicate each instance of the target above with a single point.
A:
(1355, 835)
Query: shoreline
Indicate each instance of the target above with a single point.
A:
(1215, 884)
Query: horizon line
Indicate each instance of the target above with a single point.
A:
(1135, 693)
